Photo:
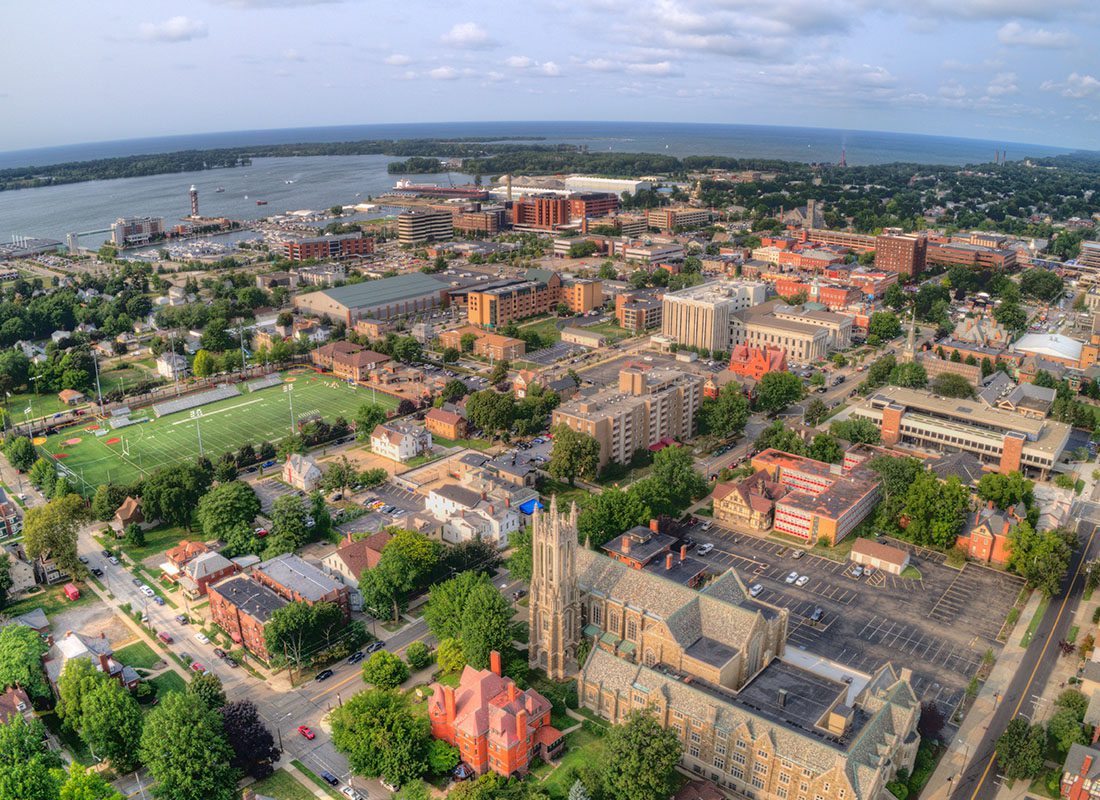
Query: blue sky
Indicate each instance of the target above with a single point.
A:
(1016, 70)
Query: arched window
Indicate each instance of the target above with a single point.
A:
(650, 658)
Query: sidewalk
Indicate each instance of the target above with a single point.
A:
(961, 749)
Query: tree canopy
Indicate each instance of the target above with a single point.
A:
(184, 748)
(51, 530)
(641, 758)
(21, 651)
(574, 454)
(381, 736)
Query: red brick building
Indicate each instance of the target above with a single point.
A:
(988, 536)
(494, 724)
(241, 607)
(297, 581)
(593, 204)
(339, 246)
(904, 254)
(756, 362)
(545, 212)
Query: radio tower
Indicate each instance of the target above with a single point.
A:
(194, 201)
(843, 157)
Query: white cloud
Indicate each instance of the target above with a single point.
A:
(397, 60)
(550, 69)
(174, 29)
(495, 76)
(1076, 86)
(443, 73)
(985, 9)
(953, 90)
(293, 55)
(603, 65)
(273, 3)
(519, 62)
(656, 68)
(1003, 83)
(1013, 33)
(468, 36)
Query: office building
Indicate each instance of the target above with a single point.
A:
(334, 246)
(709, 665)
(638, 313)
(901, 253)
(1089, 255)
(582, 295)
(539, 292)
(652, 253)
(1001, 438)
(542, 212)
(671, 219)
(806, 335)
(476, 218)
(703, 316)
(424, 225)
(649, 404)
(135, 231)
(586, 205)
(387, 298)
(950, 254)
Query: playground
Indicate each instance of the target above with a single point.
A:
(103, 450)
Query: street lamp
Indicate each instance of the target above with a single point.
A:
(196, 414)
(288, 390)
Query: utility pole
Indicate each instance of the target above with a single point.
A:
(288, 390)
(98, 391)
(196, 414)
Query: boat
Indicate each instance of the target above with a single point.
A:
(219, 190)
(261, 202)
(288, 182)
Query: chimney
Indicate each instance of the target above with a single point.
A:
(494, 662)
(449, 703)
(1085, 764)
(512, 692)
(105, 663)
(507, 502)
(668, 561)
(683, 551)
(347, 538)
(990, 505)
(626, 544)
(654, 526)
(492, 509)
(782, 699)
(1011, 512)
(1007, 526)
(103, 634)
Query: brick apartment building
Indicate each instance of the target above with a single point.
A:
(494, 724)
(348, 360)
(545, 212)
(539, 292)
(638, 313)
(976, 256)
(488, 345)
(338, 246)
(904, 254)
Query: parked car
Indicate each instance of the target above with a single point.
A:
(97, 572)
(756, 590)
(105, 553)
(797, 554)
(136, 581)
(232, 662)
(518, 593)
(197, 667)
(113, 560)
(182, 619)
(374, 647)
(200, 637)
(703, 549)
(306, 732)
(356, 657)
(83, 559)
(688, 543)
(219, 652)
(331, 779)
(819, 612)
(792, 577)
(147, 591)
(267, 464)
(165, 637)
(158, 600)
(350, 793)
(260, 532)
(323, 675)
(857, 571)
(802, 580)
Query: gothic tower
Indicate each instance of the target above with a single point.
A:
(554, 606)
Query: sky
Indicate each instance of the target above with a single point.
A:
(1016, 70)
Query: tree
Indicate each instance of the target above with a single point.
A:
(1008, 490)
(408, 560)
(486, 625)
(385, 670)
(519, 559)
(1074, 701)
(1041, 284)
(777, 390)
(453, 391)
(931, 722)
(500, 371)
(298, 631)
(879, 371)
(882, 327)
(1020, 749)
(1042, 559)
(1065, 730)
(467, 341)
(6, 581)
(29, 770)
(84, 785)
(948, 384)
(826, 448)
(442, 757)
(381, 736)
(367, 418)
(449, 656)
(815, 412)
(254, 750)
(43, 475)
(911, 375)
(110, 723)
(641, 758)
(184, 748)
(52, 530)
(172, 493)
(726, 415)
(936, 511)
(228, 505)
(780, 437)
(855, 430)
(1011, 315)
(204, 364)
(578, 791)
(106, 500)
(77, 679)
(490, 410)
(608, 514)
(207, 688)
(573, 454)
(21, 453)
(674, 470)
(446, 602)
(418, 655)
(135, 535)
(288, 520)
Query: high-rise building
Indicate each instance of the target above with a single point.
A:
(901, 253)
(1090, 255)
(131, 231)
(702, 316)
(424, 225)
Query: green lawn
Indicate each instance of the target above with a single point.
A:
(69, 740)
(125, 377)
(473, 444)
(169, 681)
(610, 329)
(224, 426)
(581, 747)
(1034, 624)
(564, 492)
(282, 786)
(139, 655)
(546, 328)
(157, 540)
(52, 601)
(40, 405)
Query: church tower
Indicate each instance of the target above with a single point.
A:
(554, 606)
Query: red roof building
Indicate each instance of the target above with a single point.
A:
(756, 362)
(494, 724)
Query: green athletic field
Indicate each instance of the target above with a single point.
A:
(225, 426)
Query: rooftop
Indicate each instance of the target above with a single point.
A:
(383, 292)
(250, 597)
(303, 578)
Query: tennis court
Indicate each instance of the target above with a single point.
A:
(128, 453)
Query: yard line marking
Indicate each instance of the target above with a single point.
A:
(220, 411)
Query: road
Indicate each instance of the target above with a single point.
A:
(979, 779)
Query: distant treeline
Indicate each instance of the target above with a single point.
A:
(195, 160)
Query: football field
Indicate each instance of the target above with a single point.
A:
(127, 454)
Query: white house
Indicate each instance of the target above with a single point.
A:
(172, 366)
(400, 441)
(467, 515)
(301, 472)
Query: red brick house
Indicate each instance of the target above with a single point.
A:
(297, 581)
(494, 724)
(446, 424)
(988, 535)
(241, 607)
(756, 362)
(204, 570)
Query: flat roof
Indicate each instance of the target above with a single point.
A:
(383, 292)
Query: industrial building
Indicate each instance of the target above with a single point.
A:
(386, 298)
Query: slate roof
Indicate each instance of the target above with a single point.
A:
(1075, 760)
(458, 494)
(205, 565)
(303, 578)
(250, 597)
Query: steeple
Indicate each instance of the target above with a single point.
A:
(554, 605)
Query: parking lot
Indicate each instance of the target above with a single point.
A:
(404, 501)
(553, 353)
(940, 625)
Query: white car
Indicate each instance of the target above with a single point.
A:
(756, 590)
(347, 791)
(703, 549)
(201, 637)
(147, 590)
(802, 580)
(792, 577)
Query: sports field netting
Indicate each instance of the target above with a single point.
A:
(195, 400)
(264, 383)
(225, 425)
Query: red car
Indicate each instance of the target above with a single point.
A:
(197, 667)
(306, 731)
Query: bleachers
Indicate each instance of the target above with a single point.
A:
(264, 383)
(222, 392)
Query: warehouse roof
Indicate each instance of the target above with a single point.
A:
(371, 294)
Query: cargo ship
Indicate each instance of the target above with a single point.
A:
(261, 202)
